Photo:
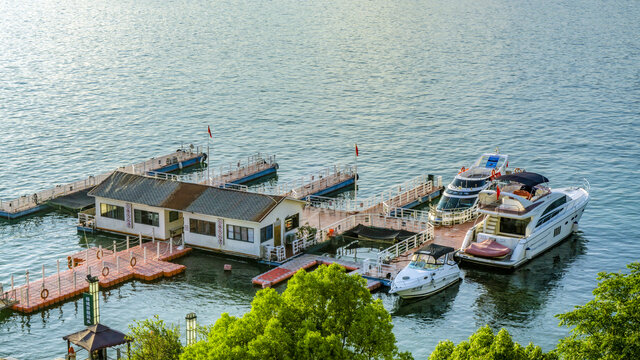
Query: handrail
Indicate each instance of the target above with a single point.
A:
(304, 186)
(403, 246)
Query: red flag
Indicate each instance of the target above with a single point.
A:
(497, 193)
(507, 163)
(356, 149)
(209, 129)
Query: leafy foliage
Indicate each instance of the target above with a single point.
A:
(324, 314)
(483, 344)
(607, 327)
(153, 339)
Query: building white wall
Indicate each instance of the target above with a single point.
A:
(282, 211)
(113, 225)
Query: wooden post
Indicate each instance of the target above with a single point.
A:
(158, 251)
(127, 242)
(170, 246)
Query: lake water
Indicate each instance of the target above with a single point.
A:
(421, 86)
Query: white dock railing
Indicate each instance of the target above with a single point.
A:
(395, 196)
(376, 220)
(240, 169)
(312, 183)
(456, 216)
(27, 202)
(412, 214)
(403, 246)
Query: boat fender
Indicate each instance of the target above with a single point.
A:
(105, 271)
(99, 253)
(44, 293)
(133, 261)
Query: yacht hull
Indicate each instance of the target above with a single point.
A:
(427, 289)
(552, 234)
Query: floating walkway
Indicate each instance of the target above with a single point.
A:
(288, 269)
(148, 261)
(69, 196)
(323, 182)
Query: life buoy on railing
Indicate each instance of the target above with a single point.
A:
(44, 293)
(105, 271)
(462, 169)
(133, 261)
(69, 262)
(99, 253)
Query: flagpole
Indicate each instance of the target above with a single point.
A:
(208, 158)
(355, 181)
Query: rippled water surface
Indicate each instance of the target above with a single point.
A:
(422, 86)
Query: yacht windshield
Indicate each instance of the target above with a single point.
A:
(448, 203)
(468, 184)
(424, 261)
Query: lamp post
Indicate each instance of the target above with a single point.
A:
(191, 328)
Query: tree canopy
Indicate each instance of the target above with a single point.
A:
(323, 314)
(153, 339)
(483, 344)
(607, 327)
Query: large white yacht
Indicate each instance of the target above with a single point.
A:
(459, 199)
(431, 270)
(524, 217)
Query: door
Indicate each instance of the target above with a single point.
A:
(277, 236)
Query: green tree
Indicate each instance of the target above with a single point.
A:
(483, 344)
(153, 339)
(324, 314)
(607, 327)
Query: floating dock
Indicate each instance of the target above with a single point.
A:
(287, 270)
(69, 195)
(148, 261)
(326, 181)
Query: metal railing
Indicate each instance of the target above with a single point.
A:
(375, 220)
(309, 184)
(27, 202)
(455, 216)
(395, 196)
(405, 245)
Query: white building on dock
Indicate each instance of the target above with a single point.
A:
(223, 220)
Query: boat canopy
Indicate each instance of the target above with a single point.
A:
(435, 250)
(525, 178)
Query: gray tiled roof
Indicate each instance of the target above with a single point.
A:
(200, 199)
(135, 189)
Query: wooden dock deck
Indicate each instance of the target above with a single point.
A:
(29, 204)
(285, 271)
(111, 269)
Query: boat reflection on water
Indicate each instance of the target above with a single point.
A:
(522, 294)
(433, 307)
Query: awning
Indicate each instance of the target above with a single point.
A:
(525, 178)
(435, 250)
(97, 337)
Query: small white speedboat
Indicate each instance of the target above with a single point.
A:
(431, 270)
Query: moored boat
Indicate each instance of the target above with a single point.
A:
(524, 218)
(431, 270)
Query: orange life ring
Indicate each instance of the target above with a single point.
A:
(69, 262)
(71, 351)
(105, 271)
(462, 169)
(133, 261)
(44, 293)
(493, 172)
(99, 253)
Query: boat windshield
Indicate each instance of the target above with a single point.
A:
(467, 184)
(448, 203)
(424, 261)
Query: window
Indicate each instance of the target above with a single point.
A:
(112, 211)
(557, 231)
(291, 222)
(551, 211)
(202, 227)
(513, 226)
(146, 217)
(468, 183)
(173, 216)
(452, 203)
(239, 233)
(266, 233)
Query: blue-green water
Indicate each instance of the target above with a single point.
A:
(422, 86)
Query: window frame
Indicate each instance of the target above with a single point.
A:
(237, 232)
(295, 218)
(155, 220)
(177, 216)
(116, 212)
(201, 226)
(264, 233)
